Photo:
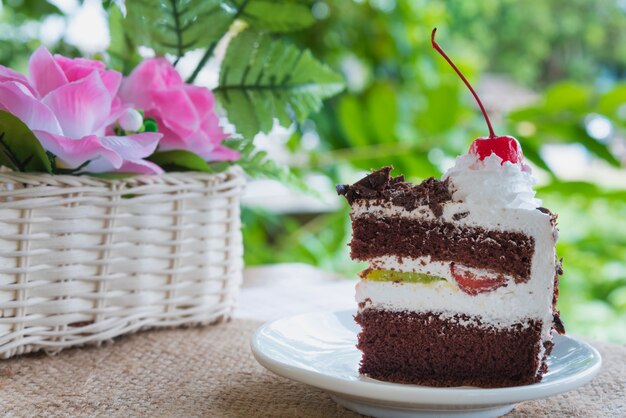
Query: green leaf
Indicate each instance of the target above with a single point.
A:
(20, 149)
(276, 15)
(353, 122)
(122, 50)
(525, 114)
(271, 16)
(177, 26)
(599, 149)
(264, 78)
(180, 160)
(441, 112)
(382, 112)
(120, 4)
(582, 188)
(35, 9)
(612, 100)
(567, 96)
(532, 152)
(111, 176)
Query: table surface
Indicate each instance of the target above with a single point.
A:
(210, 371)
(272, 292)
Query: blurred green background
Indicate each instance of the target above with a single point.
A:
(551, 73)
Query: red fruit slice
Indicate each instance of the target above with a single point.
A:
(472, 284)
(505, 147)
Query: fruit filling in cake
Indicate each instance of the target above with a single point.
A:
(462, 281)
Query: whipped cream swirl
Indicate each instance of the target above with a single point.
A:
(492, 183)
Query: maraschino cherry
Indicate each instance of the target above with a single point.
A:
(505, 147)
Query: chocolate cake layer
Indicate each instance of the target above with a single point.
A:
(508, 253)
(379, 185)
(424, 349)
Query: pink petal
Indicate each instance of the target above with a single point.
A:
(170, 139)
(45, 73)
(78, 68)
(112, 81)
(7, 74)
(202, 99)
(165, 73)
(81, 107)
(133, 147)
(148, 77)
(211, 127)
(140, 166)
(102, 165)
(16, 99)
(75, 152)
(222, 153)
(205, 142)
(67, 64)
(201, 145)
(117, 109)
(176, 111)
(135, 93)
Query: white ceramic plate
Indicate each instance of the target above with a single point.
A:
(319, 349)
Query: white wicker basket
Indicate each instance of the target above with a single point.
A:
(84, 259)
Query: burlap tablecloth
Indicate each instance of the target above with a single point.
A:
(210, 372)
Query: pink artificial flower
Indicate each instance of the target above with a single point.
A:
(68, 104)
(185, 113)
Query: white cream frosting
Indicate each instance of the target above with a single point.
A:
(492, 182)
(503, 307)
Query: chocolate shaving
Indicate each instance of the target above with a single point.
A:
(364, 303)
(380, 185)
(553, 216)
(460, 215)
(559, 267)
(557, 323)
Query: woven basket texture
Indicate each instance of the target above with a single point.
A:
(85, 259)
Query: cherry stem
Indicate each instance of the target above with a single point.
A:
(469, 86)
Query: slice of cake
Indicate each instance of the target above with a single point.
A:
(462, 281)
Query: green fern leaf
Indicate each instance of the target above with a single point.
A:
(275, 15)
(257, 165)
(264, 78)
(177, 26)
